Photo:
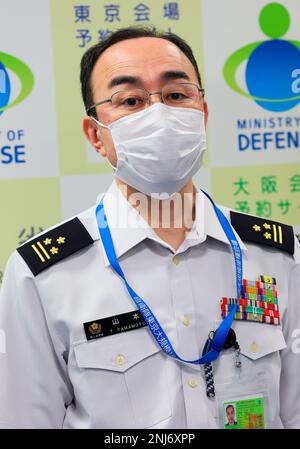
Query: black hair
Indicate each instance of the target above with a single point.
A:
(91, 56)
(229, 406)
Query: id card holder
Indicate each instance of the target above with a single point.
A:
(243, 402)
(244, 412)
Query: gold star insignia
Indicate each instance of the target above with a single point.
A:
(61, 240)
(256, 228)
(267, 226)
(54, 250)
(267, 235)
(47, 241)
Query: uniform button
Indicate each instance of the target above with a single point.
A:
(186, 320)
(254, 347)
(176, 260)
(193, 383)
(120, 360)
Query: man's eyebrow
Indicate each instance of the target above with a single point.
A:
(123, 79)
(174, 75)
(129, 79)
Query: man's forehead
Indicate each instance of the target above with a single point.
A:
(136, 48)
(137, 53)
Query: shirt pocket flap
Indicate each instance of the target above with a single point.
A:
(258, 340)
(116, 352)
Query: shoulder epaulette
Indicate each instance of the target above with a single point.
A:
(263, 231)
(55, 245)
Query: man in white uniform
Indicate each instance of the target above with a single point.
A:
(79, 353)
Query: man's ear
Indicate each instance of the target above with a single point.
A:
(205, 114)
(93, 134)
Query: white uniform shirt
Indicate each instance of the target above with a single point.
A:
(51, 376)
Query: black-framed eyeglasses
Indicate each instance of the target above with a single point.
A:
(127, 101)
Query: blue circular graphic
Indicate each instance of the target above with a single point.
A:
(268, 74)
(4, 87)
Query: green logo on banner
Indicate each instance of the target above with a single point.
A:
(269, 63)
(22, 71)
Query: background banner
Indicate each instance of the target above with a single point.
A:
(249, 58)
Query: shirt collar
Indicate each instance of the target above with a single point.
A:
(128, 228)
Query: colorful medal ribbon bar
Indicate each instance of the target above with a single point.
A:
(151, 320)
(258, 302)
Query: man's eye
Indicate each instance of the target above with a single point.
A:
(175, 96)
(132, 101)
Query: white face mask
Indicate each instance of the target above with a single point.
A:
(159, 148)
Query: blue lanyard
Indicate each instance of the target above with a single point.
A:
(154, 326)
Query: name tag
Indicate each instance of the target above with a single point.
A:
(114, 325)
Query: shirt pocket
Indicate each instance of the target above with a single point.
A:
(261, 366)
(259, 345)
(259, 340)
(129, 373)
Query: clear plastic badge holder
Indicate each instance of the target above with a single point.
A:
(240, 393)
